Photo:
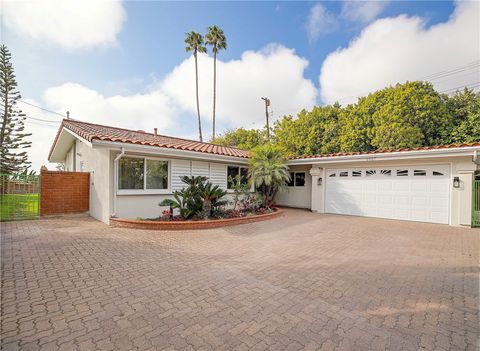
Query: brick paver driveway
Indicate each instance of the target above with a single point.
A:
(303, 281)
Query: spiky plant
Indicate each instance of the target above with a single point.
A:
(269, 171)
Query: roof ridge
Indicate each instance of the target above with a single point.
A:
(144, 132)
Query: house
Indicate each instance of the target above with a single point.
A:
(132, 171)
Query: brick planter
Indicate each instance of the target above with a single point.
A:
(188, 225)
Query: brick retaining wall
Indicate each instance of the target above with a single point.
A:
(64, 192)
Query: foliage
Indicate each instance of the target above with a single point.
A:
(405, 115)
(239, 188)
(312, 132)
(464, 107)
(242, 138)
(13, 157)
(194, 43)
(409, 115)
(197, 199)
(216, 38)
(269, 171)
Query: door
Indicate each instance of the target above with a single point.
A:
(414, 193)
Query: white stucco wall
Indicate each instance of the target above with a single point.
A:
(300, 197)
(69, 160)
(460, 199)
(146, 205)
(97, 162)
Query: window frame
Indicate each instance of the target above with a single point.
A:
(294, 178)
(231, 190)
(145, 191)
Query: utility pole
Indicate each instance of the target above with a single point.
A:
(267, 104)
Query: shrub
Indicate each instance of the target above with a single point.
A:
(198, 199)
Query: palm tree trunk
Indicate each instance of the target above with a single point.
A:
(214, 89)
(198, 103)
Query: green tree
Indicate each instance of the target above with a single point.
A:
(13, 156)
(216, 38)
(242, 138)
(269, 171)
(195, 44)
(356, 123)
(312, 132)
(464, 107)
(411, 114)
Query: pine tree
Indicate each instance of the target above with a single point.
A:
(13, 156)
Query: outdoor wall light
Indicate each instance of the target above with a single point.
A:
(456, 182)
(319, 181)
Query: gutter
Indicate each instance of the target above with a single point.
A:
(115, 177)
(464, 151)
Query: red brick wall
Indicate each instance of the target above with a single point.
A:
(64, 192)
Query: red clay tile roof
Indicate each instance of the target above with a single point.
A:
(91, 131)
(422, 148)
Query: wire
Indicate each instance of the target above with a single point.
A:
(43, 120)
(470, 85)
(42, 108)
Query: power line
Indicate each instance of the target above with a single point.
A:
(470, 85)
(467, 66)
(43, 120)
(42, 108)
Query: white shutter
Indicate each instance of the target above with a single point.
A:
(180, 168)
(218, 175)
(200, 169)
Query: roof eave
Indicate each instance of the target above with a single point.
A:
(172, 152)
(399, 155)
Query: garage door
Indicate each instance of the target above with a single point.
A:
(416, 193)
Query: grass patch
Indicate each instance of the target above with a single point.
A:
(18, 206)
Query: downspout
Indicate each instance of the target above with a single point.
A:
(476, 157)
(115, 177)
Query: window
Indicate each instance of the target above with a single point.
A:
(402, 172)
(386, 172)
(343, 174)
(436, 173)
(419, 172)
(233, 171)
(300, 179)
(333, 175)
(291, 182)
(157, 174)
(138, 173)
(296, 179)
(370, 172)
(356, 173)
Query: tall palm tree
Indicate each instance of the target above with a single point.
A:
(195, 44)
(217, 40)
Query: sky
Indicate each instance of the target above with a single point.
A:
(124, 63)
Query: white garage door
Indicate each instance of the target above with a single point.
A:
(416, 193)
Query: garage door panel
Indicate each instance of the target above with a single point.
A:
(419, 194)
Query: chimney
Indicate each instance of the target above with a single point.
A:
(155, 131)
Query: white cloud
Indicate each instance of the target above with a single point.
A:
(275, 72)
(398, 49)
(73, 24)
(362, 11)
(320, 22)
